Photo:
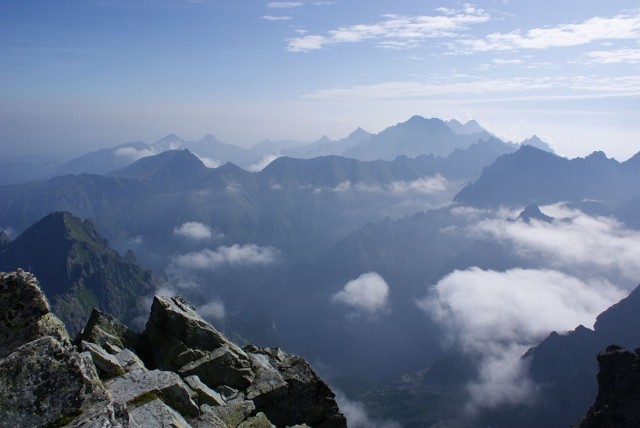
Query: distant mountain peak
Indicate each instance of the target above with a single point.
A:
(535, 141)
(470, 127)
(533, 212)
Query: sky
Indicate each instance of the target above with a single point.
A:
(78, 75)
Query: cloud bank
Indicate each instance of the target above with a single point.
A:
(499, 315)
(585, 264)
(369, 293)
(576, 243)
(227, 256)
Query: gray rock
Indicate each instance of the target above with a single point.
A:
(139, 385)
(106, 331)
(25, 313)
(306, 399)
(173, 322)
(206, 395)
(129, 361)
(268, 384)
(258, 421)
(233, 413)
(102, 412)
(618, 400)
(156, 414)
(223, 366)
(105, 362)
(43, 382)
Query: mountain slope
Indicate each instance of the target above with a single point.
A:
(78, 268)
(532, 176)
(169, 171)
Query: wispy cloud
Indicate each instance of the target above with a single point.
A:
(577, 243)
(262, 163)
(135, 154)
(544, 87)
(395, 31)
(614, 56)
(212, 309)
(276, 18)
(619, 27)
(358, 417)
(284, 4)
(234, 256)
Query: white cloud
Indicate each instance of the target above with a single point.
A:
(213, 309)
(135, 154)
(234, 256)
(498, 315)
(596, 29)
(276, 18)
(262, 163)
(395, 31)
(576, 243)
(193, 230)
(502, 61)
(586, 264)
(614, 56)
(306, 43)
(368, 292)
(357, 416)
(284, 4)
(208, 162)
(426, 185)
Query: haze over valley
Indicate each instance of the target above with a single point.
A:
(435, 205)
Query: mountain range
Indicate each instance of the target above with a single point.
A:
(416, 136)
(375, 270)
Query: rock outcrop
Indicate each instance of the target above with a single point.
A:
(179, 372)
(618, 398)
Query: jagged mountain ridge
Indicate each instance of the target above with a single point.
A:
(215, 152)
(240, 202)
(533, 176)
(80, 269)
(412, 138)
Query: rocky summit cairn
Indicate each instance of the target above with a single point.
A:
(179, 372)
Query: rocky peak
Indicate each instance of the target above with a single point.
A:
(533, 212)
(179, 372)
(618, 398)
(25, 314)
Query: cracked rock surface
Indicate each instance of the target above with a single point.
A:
(179, 372)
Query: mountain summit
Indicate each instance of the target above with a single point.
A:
(79, 269)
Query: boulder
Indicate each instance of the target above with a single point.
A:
(304, 399)
(106, 331)
(139, 385)
(156, 414)
(184, 342)
(25, 314)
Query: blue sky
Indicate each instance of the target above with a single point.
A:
(76, 75)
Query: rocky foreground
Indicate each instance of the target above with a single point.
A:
(179, 372)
